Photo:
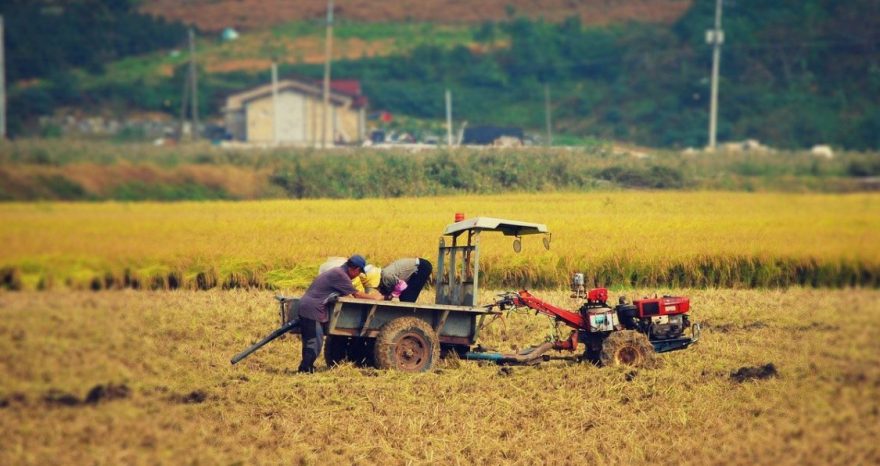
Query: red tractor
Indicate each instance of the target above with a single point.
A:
(626, 334)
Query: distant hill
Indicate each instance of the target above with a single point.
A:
(793, 74)
(214, 15)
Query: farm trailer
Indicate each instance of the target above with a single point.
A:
(412, 336)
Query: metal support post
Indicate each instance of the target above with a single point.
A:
(275, 122)
(547, 115)
(448, 118)
(716, 38)
(194, 92)
(328, 52)
(2, 84)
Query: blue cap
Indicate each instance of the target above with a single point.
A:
(358, 261)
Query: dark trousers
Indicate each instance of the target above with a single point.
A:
(312, 342)
(416, 282)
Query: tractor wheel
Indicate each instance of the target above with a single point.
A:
(335, 349)
(628, 348)
(591, 355)
(407, 344)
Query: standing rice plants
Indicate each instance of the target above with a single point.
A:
(711, 239)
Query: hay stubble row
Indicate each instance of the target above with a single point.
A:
(140, 377)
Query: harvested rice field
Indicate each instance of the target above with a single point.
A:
(782, 376)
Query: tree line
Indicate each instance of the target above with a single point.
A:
(793, 73)
(45, 38)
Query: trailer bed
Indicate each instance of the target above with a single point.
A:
(363, 318)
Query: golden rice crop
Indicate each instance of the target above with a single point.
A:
(125, 377)
(616, 238)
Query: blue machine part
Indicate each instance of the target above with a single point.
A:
(484, 356)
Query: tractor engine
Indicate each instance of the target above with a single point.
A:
(596, 313)
(660, 318)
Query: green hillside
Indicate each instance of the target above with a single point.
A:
(794, 74)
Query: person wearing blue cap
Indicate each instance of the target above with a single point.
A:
(313, 313)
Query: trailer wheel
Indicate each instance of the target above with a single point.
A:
(360, 351)
(627, 348)
(336, 349)
(408, 344)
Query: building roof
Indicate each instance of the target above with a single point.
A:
(352, 88)
(339, 95)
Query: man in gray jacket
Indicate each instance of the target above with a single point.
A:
(313, 306)
(414, 272)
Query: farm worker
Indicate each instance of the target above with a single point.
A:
(368, 281)
(313, 314)
(412, 272)
(398, 289)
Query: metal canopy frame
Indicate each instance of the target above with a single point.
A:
(507, 227)
(458, 265)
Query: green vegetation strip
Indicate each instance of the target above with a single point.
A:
(65, 170)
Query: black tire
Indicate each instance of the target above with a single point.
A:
(591, 355)
(628, 348)
(336, 349)
(360, 351)
(407, 344)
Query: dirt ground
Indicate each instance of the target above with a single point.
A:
(126, 377)
(214, 15)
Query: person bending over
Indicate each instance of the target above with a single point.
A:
(313, 306)
(405, 276)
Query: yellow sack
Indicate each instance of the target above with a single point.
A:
(369, 280)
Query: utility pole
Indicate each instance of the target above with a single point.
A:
(448, 118)
(275, 122)
(184, 100)
(716, 38)
(547, 114)
(2, 84)
(193, 79)
(328, 52)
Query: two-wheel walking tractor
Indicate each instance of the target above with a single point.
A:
(413, 336)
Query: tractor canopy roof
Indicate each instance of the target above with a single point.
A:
(507, 227)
